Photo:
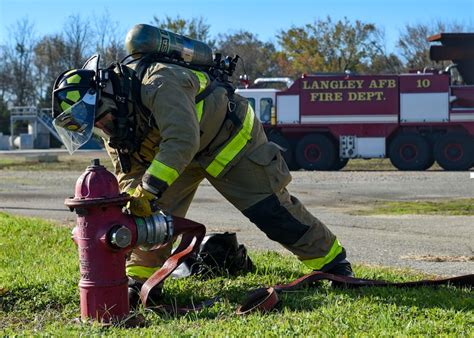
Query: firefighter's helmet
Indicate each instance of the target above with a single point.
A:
(75, 97)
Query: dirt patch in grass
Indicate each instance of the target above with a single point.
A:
(433, 258)
(455, 207)
(375, 164)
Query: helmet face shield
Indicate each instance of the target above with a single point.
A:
(75, 124)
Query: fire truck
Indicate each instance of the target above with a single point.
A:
(323, 120)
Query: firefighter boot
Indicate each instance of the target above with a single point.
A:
(134, 287)
(341, 268)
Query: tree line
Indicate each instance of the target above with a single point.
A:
(29, 64)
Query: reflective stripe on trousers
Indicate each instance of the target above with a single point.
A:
(140, 272)
(318, 263)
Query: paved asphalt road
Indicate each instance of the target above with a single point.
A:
(382, 240)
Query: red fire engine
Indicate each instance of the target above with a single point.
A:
(414, 119)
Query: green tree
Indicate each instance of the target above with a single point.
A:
(384, 64)
(257, 57)
(327, 46)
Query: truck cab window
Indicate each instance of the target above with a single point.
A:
(265, 109)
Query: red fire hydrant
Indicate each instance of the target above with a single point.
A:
(104, 235)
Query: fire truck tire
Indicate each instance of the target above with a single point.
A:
(454, 151)
(288, 153)
(340, 163)
(410, 152)
(316, 152)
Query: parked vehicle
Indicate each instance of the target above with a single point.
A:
(415, 119)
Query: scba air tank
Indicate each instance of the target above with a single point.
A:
(148, 39)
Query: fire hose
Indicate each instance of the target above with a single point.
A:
(105, 235)
(266, 299)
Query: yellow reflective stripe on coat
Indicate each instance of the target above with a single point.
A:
(202, 85)
(199, 110)
(318, 263)
(202, 80)
(163, 172)
(138, 271)
(232, 149)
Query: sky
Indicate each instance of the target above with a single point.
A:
(264, 18)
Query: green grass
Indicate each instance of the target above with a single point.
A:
(65, 162)
(457, 207)
(39, 296)
(81, 160)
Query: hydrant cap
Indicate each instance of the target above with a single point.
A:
(96, 182)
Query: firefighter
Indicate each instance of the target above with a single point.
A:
(163, 144)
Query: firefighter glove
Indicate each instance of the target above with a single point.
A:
(143, 202)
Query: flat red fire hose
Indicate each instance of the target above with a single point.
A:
(265, 299)
(192, 236)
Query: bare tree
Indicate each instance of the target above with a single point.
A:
(78, 41)
(5, 80)
(19, 55)
(413, 43)
(5, 74)
(383, 62)
(49, 62)
(108, 41)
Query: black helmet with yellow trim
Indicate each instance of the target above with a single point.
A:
(75, 97)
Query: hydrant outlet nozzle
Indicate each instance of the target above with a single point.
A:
(154, 231)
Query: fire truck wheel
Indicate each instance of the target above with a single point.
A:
(454, 152)
(410, 152)
(316, 152)
(288, 154)
(340, 163)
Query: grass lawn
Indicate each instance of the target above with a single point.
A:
(65, 162)
(457, 207)
(80, 160)
(39, 295)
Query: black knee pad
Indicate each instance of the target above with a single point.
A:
(276, 221)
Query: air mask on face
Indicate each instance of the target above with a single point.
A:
(105, 122)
